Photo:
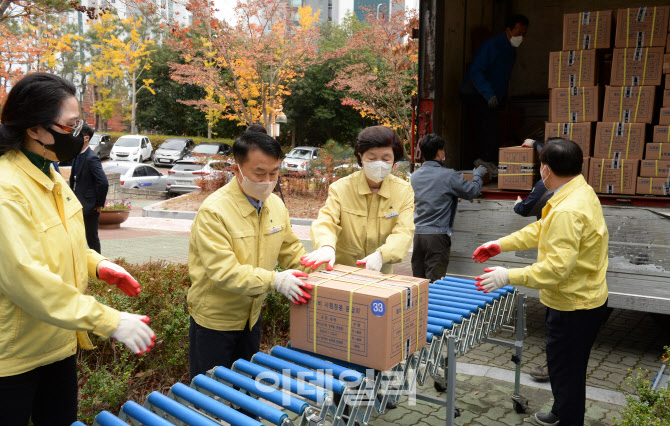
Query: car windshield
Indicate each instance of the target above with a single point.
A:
(94, 140)
(116, 168)
(300, 154)
(186, 167)
(173, 144)
(128, 142)
(206, 149)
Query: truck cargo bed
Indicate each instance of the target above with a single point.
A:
(639, 260)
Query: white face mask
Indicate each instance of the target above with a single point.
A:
(376, 171)
(544, 178)
(258, 190)
(516, 41)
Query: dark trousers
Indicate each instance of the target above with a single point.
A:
(430, 256)
(570, 336)
(481, 129)
(213, 348)
(91, 221)
(47, 395)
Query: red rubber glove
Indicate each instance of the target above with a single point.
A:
(325, 254)
(487, 251)
(113, 274)
(494, 278)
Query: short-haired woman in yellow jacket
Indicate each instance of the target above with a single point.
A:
(368, 219)
(44, 262)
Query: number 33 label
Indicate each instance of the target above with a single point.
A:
(378, 308)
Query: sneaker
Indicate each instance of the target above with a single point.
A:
(540, 373)
(546, 419)
(490, 167)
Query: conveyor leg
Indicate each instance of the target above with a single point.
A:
(451, 380)
(520, 403)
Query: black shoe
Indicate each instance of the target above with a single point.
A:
(546, 419)
(540, 373)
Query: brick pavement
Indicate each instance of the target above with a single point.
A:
(628, 340)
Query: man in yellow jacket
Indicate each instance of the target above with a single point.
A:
(239, 235)
(572, 242)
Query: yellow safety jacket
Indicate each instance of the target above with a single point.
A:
(44, 270)
(232, 255)
(572, 242)
(358, 223)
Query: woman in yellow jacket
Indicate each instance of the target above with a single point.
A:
(368, 219)
(44, 262)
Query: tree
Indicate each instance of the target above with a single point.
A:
(248, 65)
(381, 74)
(12, 9)
(117, 59)
(314, 109)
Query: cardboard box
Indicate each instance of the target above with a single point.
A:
(642, 26)
(467, 175)
(629, 104)
(664, 117)
(613, 176)
(580, 133)
(653, 186)
(666, 98)
(661, 134)
(667, 81)
(574, 105)
(655, 168)
(587, 30)
(637, 66)
(518, 168)
(657, 151)
(363, 317)
(585, 168)
(619, 140)
(573, 68)
(666, 63)
(667, 44)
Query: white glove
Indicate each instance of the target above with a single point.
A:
(134, 332)
(495, 278)
(325, 254)
(518, 200)
(288, 284)
(113, 274)
(374, 262)
(528, 143)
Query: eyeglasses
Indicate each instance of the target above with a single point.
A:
(74, 130)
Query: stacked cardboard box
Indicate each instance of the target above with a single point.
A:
(575, 77)
(518, 168)
(630, 103)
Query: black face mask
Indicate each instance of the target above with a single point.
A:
(65, 146)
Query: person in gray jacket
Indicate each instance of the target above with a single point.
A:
(436, 193)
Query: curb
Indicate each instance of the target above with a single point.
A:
(151, 211)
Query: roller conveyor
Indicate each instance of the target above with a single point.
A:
(314, 390)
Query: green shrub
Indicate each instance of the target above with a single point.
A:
(644, 405)
(110, 375)
(157, 140)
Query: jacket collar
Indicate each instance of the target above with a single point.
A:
(565, 191)
(241, 199)
(23, 163)
(364, 188)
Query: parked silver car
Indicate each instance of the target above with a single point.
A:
(101, 144)
(137, 176)
(173, 150)
(184, 174)
(297, 162)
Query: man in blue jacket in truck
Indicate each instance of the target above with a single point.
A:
(484, 88)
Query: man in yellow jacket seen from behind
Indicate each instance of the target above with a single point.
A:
(572, 242)
(238, 236)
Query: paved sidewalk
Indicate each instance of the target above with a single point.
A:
(629, 340)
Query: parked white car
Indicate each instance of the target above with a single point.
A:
(137, 176)
(297, 162)
(184, 174)
(131, 148)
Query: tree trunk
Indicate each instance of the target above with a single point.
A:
(97, 115)
(293, 136)
(133, 106)
(209, 130)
